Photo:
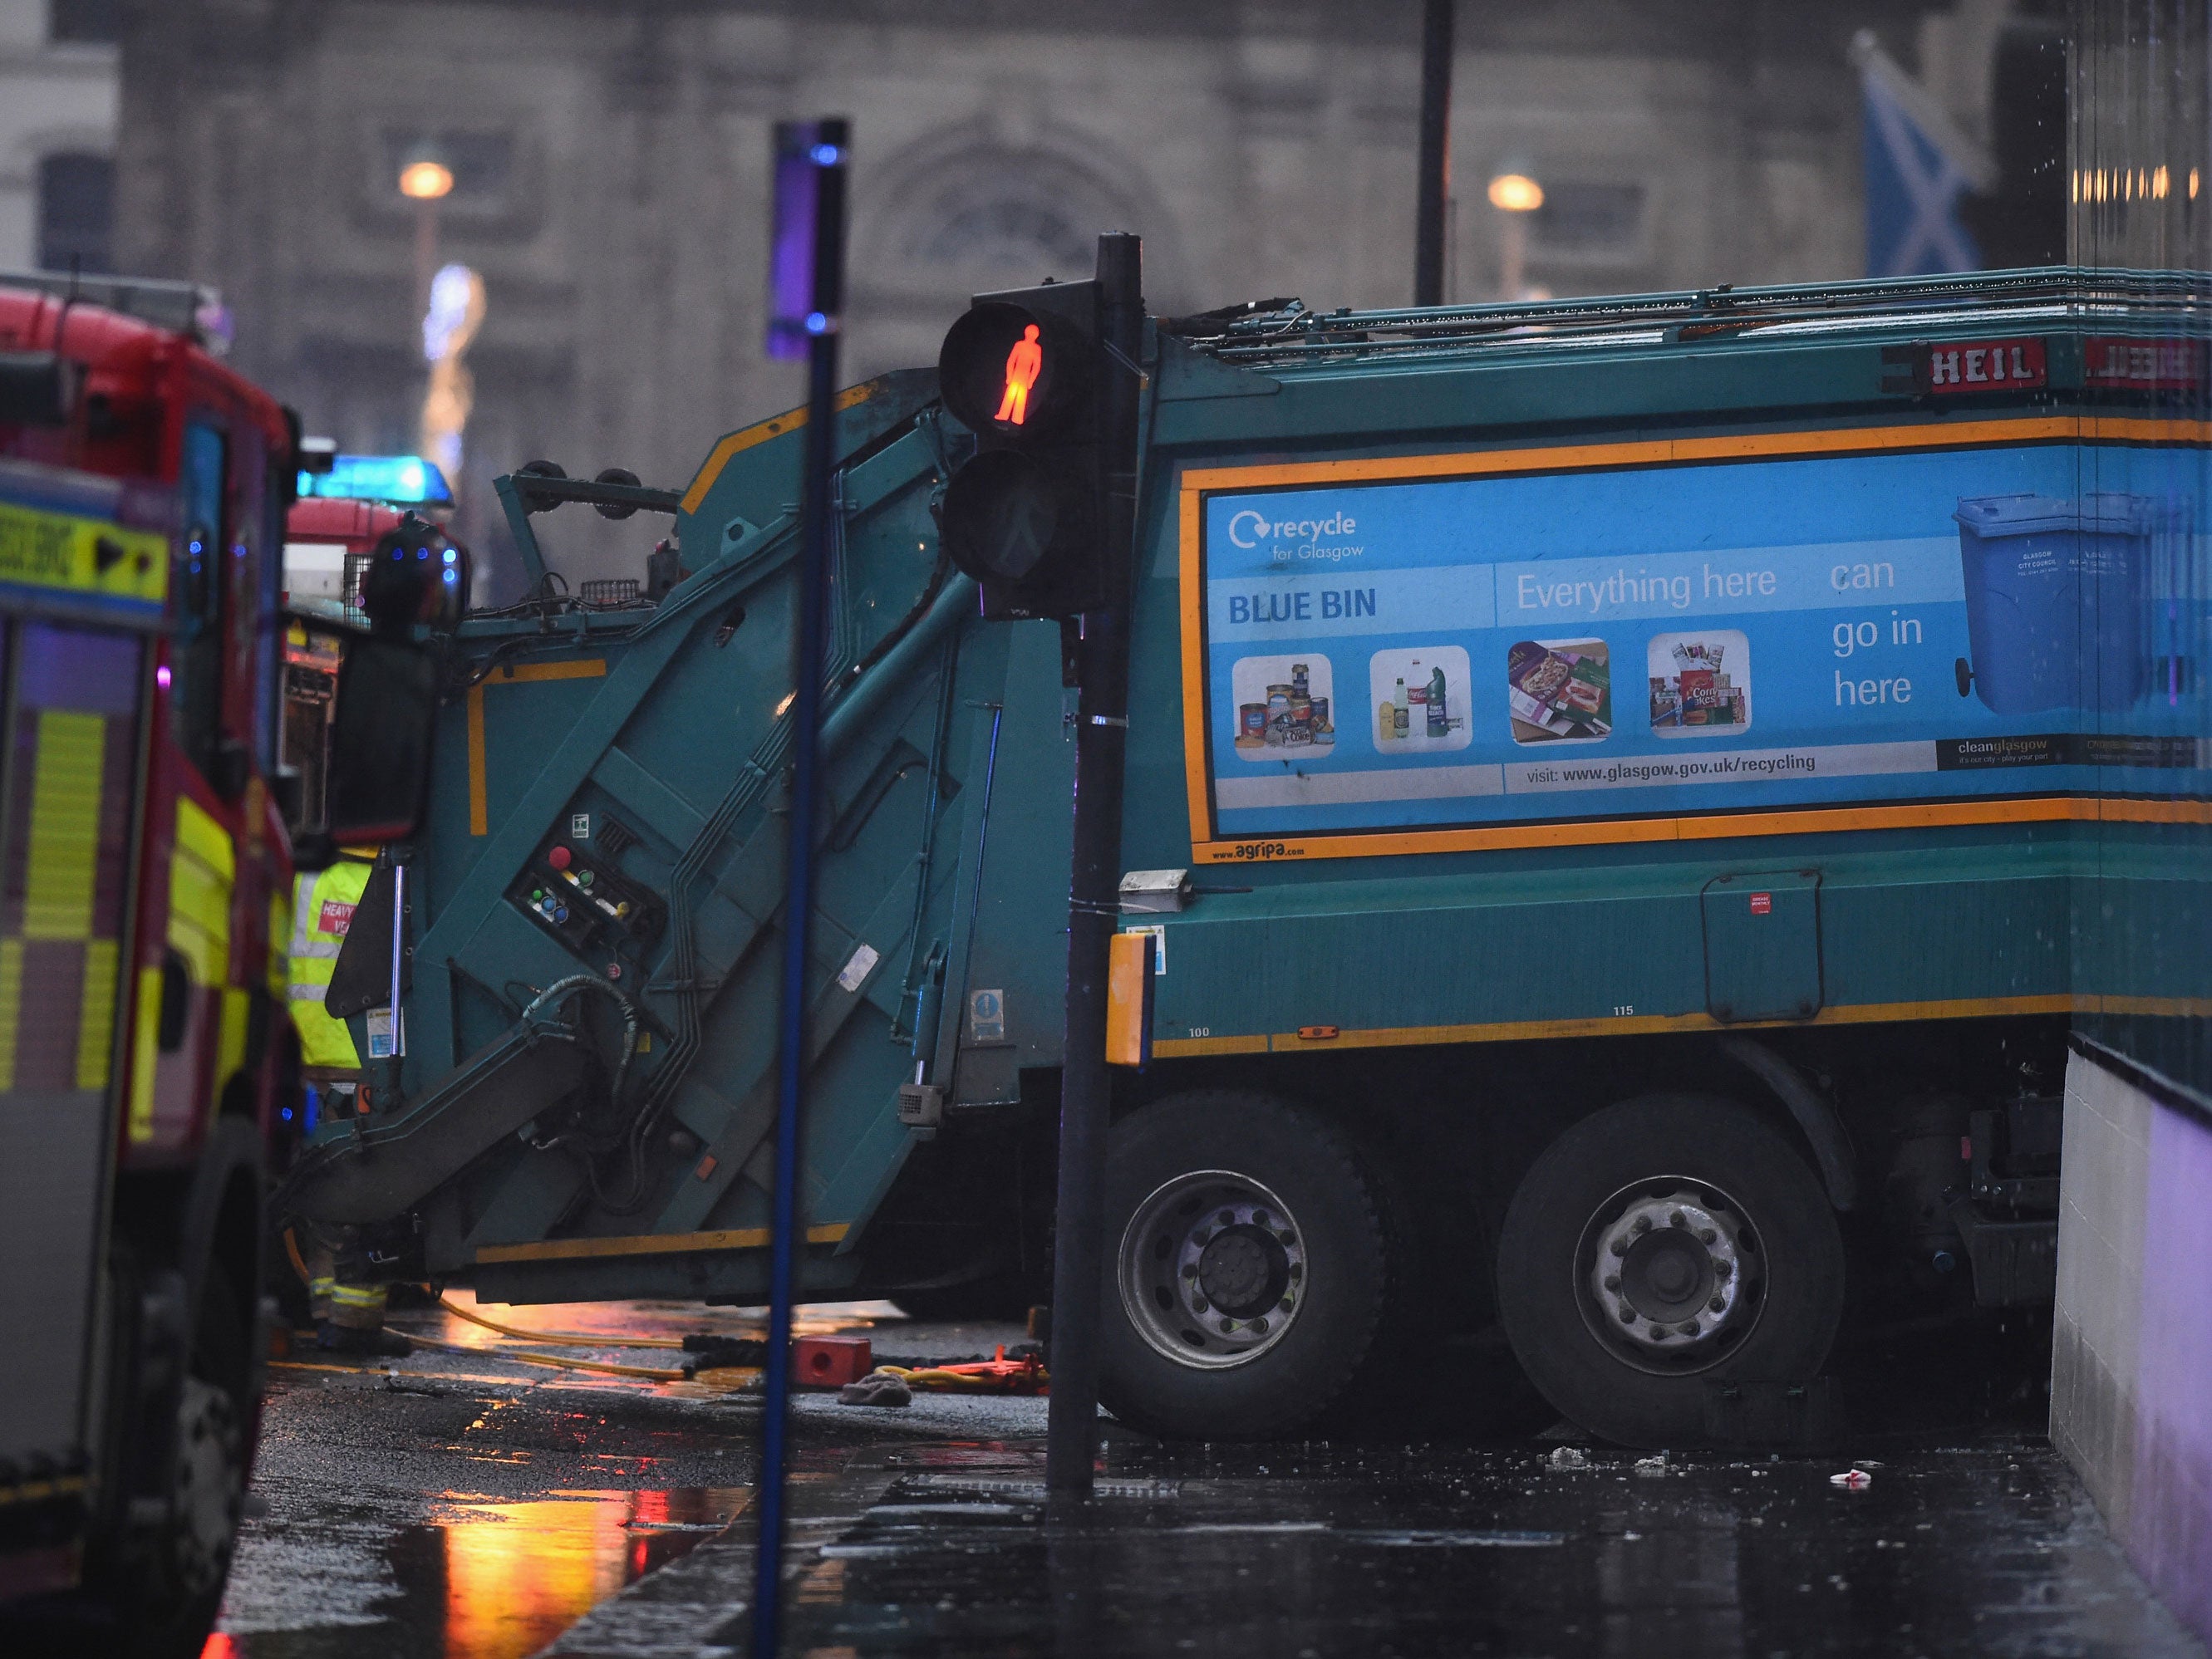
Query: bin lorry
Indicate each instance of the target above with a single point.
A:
(1610, 786)
(147, 1070)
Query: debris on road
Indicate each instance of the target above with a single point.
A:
(1851, 1481)
(1024, 1373)
(878, 1388)
(830, 1362)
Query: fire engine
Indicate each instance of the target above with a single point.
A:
(146, 865)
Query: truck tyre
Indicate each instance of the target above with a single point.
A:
(1658, 1245)
(161, 1582)
(1247, 1266)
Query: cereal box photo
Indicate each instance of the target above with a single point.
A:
(1700, 684)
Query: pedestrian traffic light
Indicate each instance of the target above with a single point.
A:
(1020, 370)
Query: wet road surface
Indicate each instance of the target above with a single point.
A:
(1986, 1548)
(1960, 1549)
(472, 1507)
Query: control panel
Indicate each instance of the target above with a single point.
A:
(594, 911)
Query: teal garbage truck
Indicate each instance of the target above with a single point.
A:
(1610, 789)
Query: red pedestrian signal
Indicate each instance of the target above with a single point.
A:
(1020, 371)
(1024, 364)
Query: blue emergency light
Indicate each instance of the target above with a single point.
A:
(397, 480)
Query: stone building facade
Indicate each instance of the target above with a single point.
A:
(59, 83)
(611, 162)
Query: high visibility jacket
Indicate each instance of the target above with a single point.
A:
(321, 911)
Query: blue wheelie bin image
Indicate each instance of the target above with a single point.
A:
(2055, 591)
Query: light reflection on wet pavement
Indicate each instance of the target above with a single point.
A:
(486, 1580)
(469, 1506)
(517, 1575)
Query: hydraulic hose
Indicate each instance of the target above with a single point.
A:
(651, 1373)
(570, 985)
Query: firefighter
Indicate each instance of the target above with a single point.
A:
(322, 909)
(349, 1309)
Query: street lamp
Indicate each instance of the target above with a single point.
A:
(426, 179)
(1515, 193)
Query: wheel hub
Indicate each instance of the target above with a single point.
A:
(1212, 1269)
(1243, 1270)
(1673, 1275)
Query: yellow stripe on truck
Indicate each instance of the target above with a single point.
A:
(584, 668)
(201, 871)
(574, 1249)
(280, 931)
(1601, 1025)
(774, 427)
(230, 1045)
(199, 833)
(11, 1006)
(202, 867)
(145, 1049)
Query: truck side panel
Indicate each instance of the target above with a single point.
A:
(1011, 947)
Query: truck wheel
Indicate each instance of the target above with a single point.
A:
(162, 1580)
(1662, 1243)
(1246, 1268)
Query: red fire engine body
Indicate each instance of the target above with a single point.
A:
(145, 881)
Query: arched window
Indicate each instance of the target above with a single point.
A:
(982, 217)
(1014, 229)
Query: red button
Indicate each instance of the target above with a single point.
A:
(558, 858)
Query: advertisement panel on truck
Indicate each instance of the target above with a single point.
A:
(1526, 639)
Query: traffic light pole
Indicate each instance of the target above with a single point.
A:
(816, 512)
(1101, 743)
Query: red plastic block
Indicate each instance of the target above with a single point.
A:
(830, 1362)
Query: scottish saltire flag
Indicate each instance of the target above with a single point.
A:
(1917, 166)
